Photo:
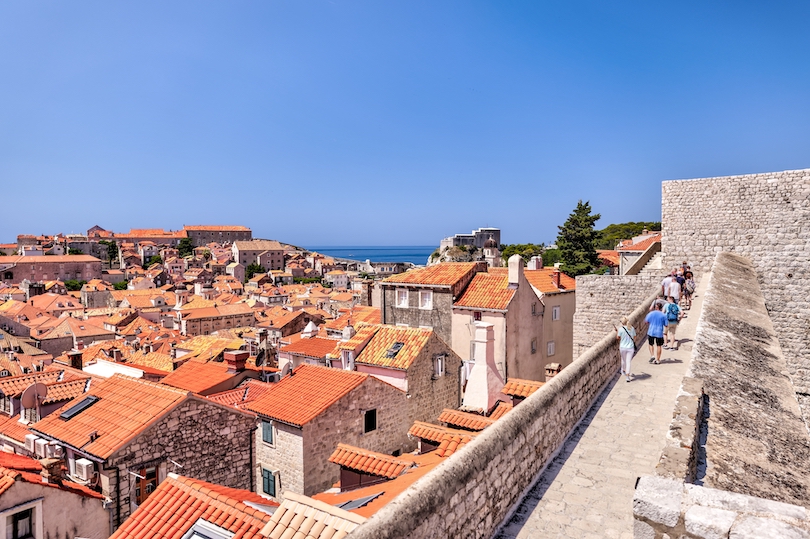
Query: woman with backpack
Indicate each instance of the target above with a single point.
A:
(627, 345)
(688, 288)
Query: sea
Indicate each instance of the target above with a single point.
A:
(416, 254)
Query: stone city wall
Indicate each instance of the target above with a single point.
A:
(765, 217)
(471, 493)
(736, 428)
(603, 299)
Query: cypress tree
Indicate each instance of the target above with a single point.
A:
(577, 241)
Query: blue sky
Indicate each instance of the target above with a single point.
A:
(387, 123)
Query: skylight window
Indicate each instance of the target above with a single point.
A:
(360, 502)
(202, 529)
(394, 350)
(79, 407)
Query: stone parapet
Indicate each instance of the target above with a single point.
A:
(670, 508)
(471, 493)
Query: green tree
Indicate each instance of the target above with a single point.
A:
(551, 257)
(73, 285)
(611, 235)
(112, 250)
(525, 250)
(75, 252)
(252, 270)
(577, 241)
(185, 247)
(155, 260)
(121, 285)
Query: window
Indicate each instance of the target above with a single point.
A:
(426, 299)
(369, 421)
(267, 432)
(550, 348)
(268, 482)
(439, 364)
(402, 298)
(534, 309)
(145, 484)
(555, 313)
(534, 346)
(20, 525)
(477, 316)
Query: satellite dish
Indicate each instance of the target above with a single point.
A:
(33, 394)
(285, 370)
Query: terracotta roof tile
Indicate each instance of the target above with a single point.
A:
(248, 391)
(63, 391)
(198, 377)
(19, 468)
(465, 420)
(541, 280)
(125, 407)
(369, 462)
(627, 245)
(13, 386)
(179, 502)
(449, 440)
(609, 256)
(394, 347)
(315, 347)
(309, 390)
(488, 291)
(301, 517)
(516, 387)
(12, 428)
(444, 274)
(500, 410)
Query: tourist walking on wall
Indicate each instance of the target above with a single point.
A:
(627, 345)
(665, 284)
(688, 288)
(675, 288)
(673, 313)
(655, 333)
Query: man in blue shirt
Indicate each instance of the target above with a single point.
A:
(655, 332)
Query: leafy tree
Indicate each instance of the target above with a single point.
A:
(75, 252)
(252, 270)
(186, 247)
(121, 285)
(207, 254)
(3, 253)
(73, 285)
(112, 249)
(611, 235)
(155, 260)
(306, 280)
(525, 250)
(577, 240)
(551, 257)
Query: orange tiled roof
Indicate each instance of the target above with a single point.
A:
(449, 440)
(465, 420)
(609, 256)
(381, 345)
(217, 228)
(13, 386)
(126, 407)
(301, 517)
(248, 391)
(444, 274)
(315, 347)
(627, 245)
(521, 388)
(309, 390)
(198, 377)
(488, 291)
(11, 428)
(64, 391)
(178, 502)
(541, 280)
(369, 462)
(19, 468)
(500, 410)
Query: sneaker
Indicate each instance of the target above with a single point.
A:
(628, 379)
(652, 360)
(665, 347)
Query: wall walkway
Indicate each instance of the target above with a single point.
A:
(587, 490)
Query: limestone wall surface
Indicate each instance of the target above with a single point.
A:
(765, 217)
(603, 299)
(473, 491)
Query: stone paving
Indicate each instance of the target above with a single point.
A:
(587, 490)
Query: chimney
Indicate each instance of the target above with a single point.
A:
(236, 360)
(51, 471)
(80, 345)
(310, 330)
(116, 354)
(555, 277)
(535, 263)
(515, 270)
(485, 382)
(173, 351)
(75, 358)
(552, 370)
(348, 331)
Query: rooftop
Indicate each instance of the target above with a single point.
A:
(517, 387)
(369, 462)
(444, 274)
(488, 290)
(394, 347)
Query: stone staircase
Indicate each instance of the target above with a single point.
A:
(655, 266)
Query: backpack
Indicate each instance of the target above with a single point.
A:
(689, 286)
(672, 312)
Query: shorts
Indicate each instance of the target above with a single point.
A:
(670, 329)
(655, 340)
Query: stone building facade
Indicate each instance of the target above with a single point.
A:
(765, 217)
(299, 455)
(205, 234)
(15, 269)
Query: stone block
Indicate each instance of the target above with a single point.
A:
(709, 522)
(765, 528)
(709, 497)
(658, 499)
(642, 530)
